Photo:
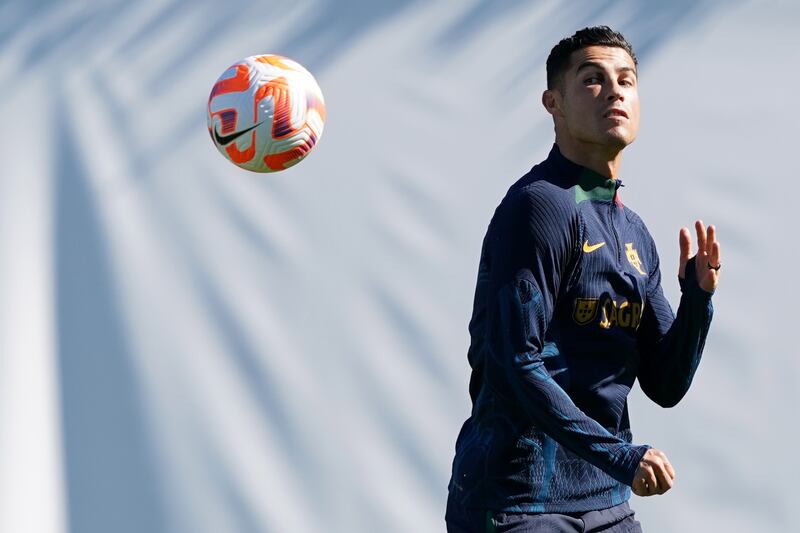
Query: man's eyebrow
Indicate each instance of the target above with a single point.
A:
(587, 64)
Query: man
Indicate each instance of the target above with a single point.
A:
(568, 312)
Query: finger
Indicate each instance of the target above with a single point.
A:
(664, 481)
(701, 237)
(714, 257)
(685, 243)
(711, 238)
(666, 464)
(638, 487)
(641, 487)
(651, 483)
(669, 469)
(710, 281)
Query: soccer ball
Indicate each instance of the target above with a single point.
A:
(265, 113)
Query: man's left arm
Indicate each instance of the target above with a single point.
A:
(670, 346)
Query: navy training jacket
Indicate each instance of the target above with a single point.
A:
(568, 312)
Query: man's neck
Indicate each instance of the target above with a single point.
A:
(604, 162)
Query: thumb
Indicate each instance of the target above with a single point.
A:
(685, 241)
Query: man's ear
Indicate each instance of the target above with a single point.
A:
(551, 100)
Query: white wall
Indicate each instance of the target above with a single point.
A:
(185, 346)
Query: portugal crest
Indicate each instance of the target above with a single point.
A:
(585, 310)
(633, 258)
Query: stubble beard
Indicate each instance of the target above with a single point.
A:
(610, 141)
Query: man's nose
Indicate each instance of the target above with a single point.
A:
(615, 92)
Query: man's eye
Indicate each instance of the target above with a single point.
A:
(626, 82)
(592, 80)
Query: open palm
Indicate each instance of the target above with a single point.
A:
(707, 255)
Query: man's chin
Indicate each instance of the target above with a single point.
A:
(617, 139)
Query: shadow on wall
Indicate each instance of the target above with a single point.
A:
(111, 477)
(646, 25)
(112, 474)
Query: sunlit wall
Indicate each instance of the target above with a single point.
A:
(187, 347)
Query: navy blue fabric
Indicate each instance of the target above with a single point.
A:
(618, 519)
(568, 312)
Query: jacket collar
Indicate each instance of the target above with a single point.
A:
(590, 184)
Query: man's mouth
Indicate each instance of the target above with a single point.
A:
(615, 113)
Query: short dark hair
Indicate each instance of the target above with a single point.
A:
(558, 60)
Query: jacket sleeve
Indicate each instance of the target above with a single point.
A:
(532, 252)
(670, 346)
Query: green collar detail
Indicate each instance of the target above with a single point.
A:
(593, 186)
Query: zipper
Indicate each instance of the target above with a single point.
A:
(612, 212)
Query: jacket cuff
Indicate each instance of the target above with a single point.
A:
(630, 463)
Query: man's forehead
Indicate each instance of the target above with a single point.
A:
(610, 57)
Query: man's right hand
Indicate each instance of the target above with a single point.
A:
(654, 475)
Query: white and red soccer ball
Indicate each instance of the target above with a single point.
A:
(265, 113)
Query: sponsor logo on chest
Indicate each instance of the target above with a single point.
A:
(611, 313)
